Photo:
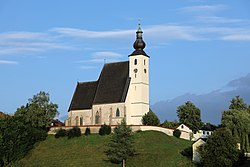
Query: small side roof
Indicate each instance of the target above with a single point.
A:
(83, 95)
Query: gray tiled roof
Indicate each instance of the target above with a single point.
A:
(111, 87)
(83, 95)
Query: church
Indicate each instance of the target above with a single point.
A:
(121, 92)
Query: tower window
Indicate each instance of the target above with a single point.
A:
(117, 114)
(135, 75)
(144, 62)
(135, 62)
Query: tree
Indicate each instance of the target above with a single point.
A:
(238, 103)
(121, 146)
(220, 149)
(190, 115)
(150, 119)
(237, 120)
(38, 111)
(17, 138)
(169, 124)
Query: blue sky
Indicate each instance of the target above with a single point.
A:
(196, 46)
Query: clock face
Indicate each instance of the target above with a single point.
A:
(135, 70)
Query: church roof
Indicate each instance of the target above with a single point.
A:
(111, 87)
(83, 96)
(112, 83)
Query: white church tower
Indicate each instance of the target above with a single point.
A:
(138, 93)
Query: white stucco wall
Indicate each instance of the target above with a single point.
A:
(75, 115)
(108, 113)
(195, 147)
(201, 134)
(137, 101)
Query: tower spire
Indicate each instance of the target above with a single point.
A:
(139, 44)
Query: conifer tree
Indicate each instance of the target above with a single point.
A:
(121, 146)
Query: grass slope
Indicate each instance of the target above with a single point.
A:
(152, 148)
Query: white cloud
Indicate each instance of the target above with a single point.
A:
(237, 37)
(203, 8)
(81, 33)
(63, 38)
(107, 54)
(8, 62)
(87, 67)
(220, 20)
(28, 42)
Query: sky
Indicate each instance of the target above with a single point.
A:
(195, 46)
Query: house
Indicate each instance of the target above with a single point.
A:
(186, 132)
(196, 156)
(121, 92)
(56, 123)
(204, 132)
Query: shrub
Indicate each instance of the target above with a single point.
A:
(87, 132)
(61, 133)
(105, 130)
(187, 152)
(177, 133)
(74, 132)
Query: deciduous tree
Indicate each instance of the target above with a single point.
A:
(237, 120)
(220, 149)
(190, 115)
(38, 111)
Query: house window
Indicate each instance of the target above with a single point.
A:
(97, 118)
(81, 121)
(207, 133)
(204, 132)
(135, 62)
(117, 113)
(182, 126)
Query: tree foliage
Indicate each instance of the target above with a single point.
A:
(238, 103)
(169, 124)
(190, 115)
(220, 149)
(237, 120)
(121, 146)
(20, 132)
(38, 111)
(17, 138)
(150, 119)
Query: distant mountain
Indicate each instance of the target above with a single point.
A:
(211, 104)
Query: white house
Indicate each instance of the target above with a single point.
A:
(201, 134)
(195, 147)
(186, 132)
(122, 91)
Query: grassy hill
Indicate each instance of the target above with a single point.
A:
(153, 149)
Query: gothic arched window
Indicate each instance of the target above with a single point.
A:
(97, 118)
(135, 61)
(81, 121)
(77, 121)
(117, 114)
